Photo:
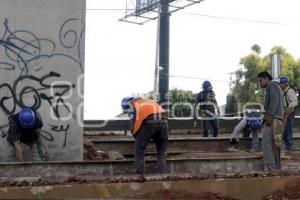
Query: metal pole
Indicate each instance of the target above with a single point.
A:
(156, 71)
(276, 61)
(164, 53)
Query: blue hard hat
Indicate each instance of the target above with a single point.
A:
(125, 102)
(255, 123)
(26, 118)
(283, 79)
(206, 85)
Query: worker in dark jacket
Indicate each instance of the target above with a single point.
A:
(25, 127)
(273, 126)
(148, 121)
(209, 109)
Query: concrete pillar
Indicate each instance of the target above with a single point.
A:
(42, 66)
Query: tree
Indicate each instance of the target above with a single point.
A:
(180, 102)
(245, 87)
(256, 49)
(231, 105)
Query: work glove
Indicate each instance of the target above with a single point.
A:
(195, 123)
(234, 139)
(288, 110)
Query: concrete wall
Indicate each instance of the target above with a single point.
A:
(42, 66)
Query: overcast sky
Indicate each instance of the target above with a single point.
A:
(120, 57)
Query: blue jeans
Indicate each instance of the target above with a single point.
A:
(255, 140)
(288, 132)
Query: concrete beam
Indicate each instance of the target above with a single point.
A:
(194, 165)
(42, 66)
(226, 123)
(183, 143)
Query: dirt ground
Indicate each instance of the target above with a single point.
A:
(289, 193)
(180, 194)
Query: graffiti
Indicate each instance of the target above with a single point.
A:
(24, 49)
(37, 91)
(46, 135)
(4, 129)
(63, 129)
(36, 65)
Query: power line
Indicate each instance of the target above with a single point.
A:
(194, 77)
(121, 10)
(232, 18)
(109, 9)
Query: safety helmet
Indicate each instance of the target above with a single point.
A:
(206, 85)
(254, 123)
(26, 118)
(283, 79)
(125, 102)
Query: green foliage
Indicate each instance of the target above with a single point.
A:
(256, 49)
(231, 105)
(180, 101)
(245, 87)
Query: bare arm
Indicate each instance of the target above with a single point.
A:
(39, 139)
(18, 149)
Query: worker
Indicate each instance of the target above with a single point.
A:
(273, 125)
(290, 102)
(148, 121)
(253, 122)
(25, 127)
(207, 104)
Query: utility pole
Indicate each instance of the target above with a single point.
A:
(156, 71)
(143, 12)
(164, 32)
(276, 66)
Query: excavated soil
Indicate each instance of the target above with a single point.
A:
(91, 152)
(180, 194)
(289, 193)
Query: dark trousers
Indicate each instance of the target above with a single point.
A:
(158, 131)
(213, 123)
(288, 132)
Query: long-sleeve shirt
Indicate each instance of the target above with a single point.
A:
(273, 104)
(207, 101)
(290, 98)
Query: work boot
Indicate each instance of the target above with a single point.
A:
(232, 149)
(253, 150)
(286, 154)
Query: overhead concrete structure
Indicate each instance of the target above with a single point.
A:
(42, 66)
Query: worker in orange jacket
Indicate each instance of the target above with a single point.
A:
(148, 121)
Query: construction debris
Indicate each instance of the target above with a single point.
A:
(93, 153)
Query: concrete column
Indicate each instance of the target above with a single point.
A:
(42, 66)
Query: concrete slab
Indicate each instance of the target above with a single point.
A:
(178, 143)
(195, 164)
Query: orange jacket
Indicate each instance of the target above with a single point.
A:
(143, 108)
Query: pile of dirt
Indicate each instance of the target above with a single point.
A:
(181, 194)
(91, 152)
(292, 193)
